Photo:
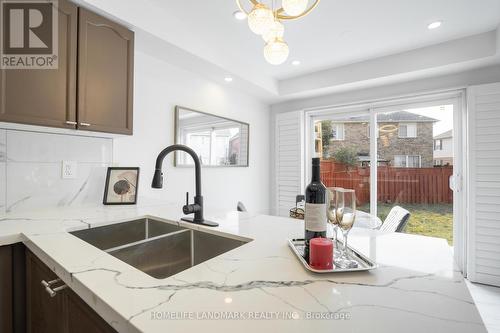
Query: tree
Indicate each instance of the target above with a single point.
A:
(347, 156)
(326, 136)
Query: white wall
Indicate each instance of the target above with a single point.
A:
(160, 86)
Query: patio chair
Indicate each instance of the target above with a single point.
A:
(396, 220)
(240, 207)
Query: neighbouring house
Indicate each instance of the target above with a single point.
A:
(443, 148)
(405, 139)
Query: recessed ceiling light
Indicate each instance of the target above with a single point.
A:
(434, 25)
(239, 15)
(228, 79)
(296, 62)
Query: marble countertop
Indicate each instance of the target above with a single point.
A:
(259, 286)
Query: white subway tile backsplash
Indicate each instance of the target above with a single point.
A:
(31, 174)
(44, 147)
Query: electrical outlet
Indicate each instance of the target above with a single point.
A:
(69, 169)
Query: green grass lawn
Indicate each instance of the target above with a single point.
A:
(428, 220)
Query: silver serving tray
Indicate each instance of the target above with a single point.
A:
(364, 263)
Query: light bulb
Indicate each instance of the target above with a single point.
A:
(294, 7)
(239, 15)
(276, 51)
(277, 30)
(260, 19)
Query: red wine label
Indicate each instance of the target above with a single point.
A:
(315, 217)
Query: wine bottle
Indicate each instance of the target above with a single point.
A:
(315, 208)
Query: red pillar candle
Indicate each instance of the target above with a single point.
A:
(321, 253)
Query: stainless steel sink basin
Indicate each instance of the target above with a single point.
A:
(157, 248)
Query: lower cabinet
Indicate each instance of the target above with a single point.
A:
(62, 312)
(81, 318)
(12, 289)
(44, 314)
(6, 289)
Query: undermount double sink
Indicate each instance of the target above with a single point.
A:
(159, 249)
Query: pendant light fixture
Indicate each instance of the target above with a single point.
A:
(294, 7)
(267, 22)
(276, 51)
(260, 19)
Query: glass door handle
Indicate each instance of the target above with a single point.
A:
(455, 182)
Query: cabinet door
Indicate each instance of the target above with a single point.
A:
(6, 289)
(105, 74)
(45, 96)
(44, 313)
(82, 318)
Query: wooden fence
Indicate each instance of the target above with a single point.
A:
(394, 185)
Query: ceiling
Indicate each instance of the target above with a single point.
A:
(336, 33)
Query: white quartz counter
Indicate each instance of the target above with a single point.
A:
(258, 287)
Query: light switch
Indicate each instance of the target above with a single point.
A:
(69, 169)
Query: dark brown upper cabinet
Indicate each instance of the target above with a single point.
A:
(105, 74)
(45, 97)
(92, 87)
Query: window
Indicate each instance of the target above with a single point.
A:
(400, 161)
(408, 130)
(407, 161)
(215, 146)
(337, 131)
(438, 144)
(413, 161)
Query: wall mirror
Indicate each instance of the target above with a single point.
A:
(218, 141)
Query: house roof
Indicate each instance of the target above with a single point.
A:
(444, 135)
(392, 117)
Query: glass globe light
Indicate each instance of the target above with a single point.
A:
(260, 19)
(276, 51)
(277, 30)
(294, 7)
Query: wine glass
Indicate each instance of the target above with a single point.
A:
(345, 214)
(330, 213)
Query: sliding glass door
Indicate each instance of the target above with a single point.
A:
(399, 157)
(342, 140)
(415, 162)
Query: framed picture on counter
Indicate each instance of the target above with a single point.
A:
(121, 186)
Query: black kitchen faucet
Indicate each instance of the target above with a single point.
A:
(197, 207)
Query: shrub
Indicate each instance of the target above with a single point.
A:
(347, 156)
(326, 135)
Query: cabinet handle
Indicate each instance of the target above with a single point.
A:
(52, 291)
(84, 124)
(68, 122)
